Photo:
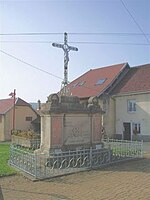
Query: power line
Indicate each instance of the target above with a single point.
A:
(77, 42)
(111, 33)
(29, 41)
(28, 34)
(135, 21)
(75, 33)
(109, 43)
(33, 66)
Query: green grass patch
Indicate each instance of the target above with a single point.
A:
(124, 151)
(5, 169)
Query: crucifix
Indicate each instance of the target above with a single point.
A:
(66, 48)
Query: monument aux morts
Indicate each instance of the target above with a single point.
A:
(66, 124)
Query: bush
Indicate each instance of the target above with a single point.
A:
(30, 134)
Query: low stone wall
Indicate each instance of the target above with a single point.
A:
(26, 142)
(145, 138)
(139, 137)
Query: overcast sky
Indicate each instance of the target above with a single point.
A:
(130, 19)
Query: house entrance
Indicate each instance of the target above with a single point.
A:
(127, 131)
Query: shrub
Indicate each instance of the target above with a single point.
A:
(30, 134)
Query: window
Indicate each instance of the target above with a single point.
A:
(101, 81)
(29, 119)
(75, 85)
(82, 83)
(136, 128)
(131, 105)
(78, 84)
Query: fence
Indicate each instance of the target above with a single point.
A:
(45, 166)
(124, 148)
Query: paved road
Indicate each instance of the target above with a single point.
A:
(123, 181)
(146, 147)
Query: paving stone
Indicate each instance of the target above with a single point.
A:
(123, 181)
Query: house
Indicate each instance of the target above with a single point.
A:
(24, 115)
(132, 100)
(100, 82)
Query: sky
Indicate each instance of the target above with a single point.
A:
(106, 32)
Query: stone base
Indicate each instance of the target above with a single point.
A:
(145, 138)
(62, 149)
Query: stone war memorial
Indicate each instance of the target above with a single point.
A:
(66, 124)
(71, 135)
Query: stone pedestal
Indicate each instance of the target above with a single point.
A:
(68, 125)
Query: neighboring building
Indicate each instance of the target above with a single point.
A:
(99, 82)
(132, 99)
(24, 115)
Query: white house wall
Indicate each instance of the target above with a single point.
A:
(109, 116)
(141, 115)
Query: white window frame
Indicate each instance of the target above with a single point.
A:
(131, 105)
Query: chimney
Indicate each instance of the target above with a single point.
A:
(39, 105)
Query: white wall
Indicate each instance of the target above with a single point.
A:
(109, 116)
(141, 115)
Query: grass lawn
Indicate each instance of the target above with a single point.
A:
(125, 151)
(5, 169)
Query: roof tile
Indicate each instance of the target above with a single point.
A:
(90, 79)
(7, 104)
(136, 80)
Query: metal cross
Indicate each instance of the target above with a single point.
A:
(66, 48)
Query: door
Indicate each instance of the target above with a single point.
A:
(127, 131)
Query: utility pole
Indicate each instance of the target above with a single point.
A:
(13, 95)
(66, 48)
(14, 116)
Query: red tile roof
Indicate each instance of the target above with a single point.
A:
(136, 80)
(7, 104)
(86, 85)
